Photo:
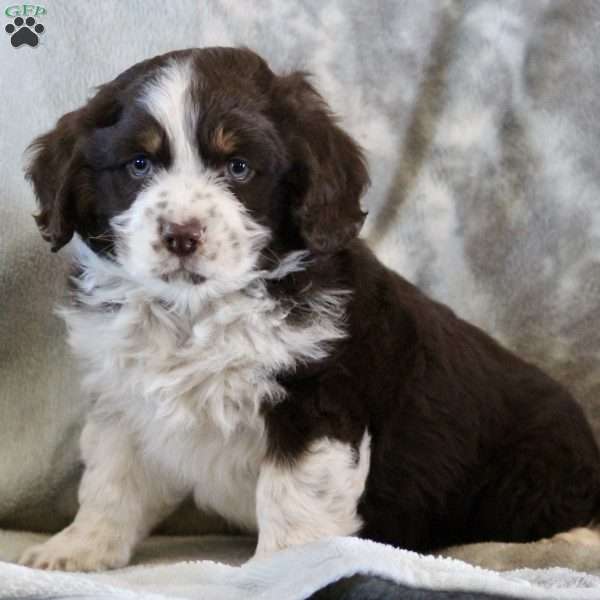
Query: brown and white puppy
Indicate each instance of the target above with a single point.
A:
(242, 345)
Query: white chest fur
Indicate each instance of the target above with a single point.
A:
(188, 384)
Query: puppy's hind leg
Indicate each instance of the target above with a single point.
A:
(121, 498)
(540, 505)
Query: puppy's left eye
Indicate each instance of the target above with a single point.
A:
(140, 166)
(239, 170)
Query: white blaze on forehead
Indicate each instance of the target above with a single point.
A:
(168, 99)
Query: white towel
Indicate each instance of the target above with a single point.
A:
(295, 574)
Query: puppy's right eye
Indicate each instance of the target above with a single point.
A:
(140, 166)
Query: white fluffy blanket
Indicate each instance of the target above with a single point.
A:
(295, 574)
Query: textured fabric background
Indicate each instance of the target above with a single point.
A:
(480, 122)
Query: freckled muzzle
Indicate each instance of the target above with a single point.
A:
(189, 229)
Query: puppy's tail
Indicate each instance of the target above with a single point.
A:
(577, 549)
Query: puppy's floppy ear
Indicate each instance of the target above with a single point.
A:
(54, 159)
(56, 165)
(329, 172)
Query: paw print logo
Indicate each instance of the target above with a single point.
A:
(24, 32)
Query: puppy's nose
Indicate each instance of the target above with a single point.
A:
(182, 240)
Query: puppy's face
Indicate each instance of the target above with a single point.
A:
(199, 168)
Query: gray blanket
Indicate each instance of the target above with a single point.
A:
(480, 123)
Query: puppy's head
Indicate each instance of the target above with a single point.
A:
(199, 165)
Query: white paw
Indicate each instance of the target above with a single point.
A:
(75, 550)
(262, 554)
(266, 548)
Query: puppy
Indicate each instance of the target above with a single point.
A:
(243, 346)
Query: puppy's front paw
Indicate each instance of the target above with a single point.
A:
(72, 550)
(267, 547)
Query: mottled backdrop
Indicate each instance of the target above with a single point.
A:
(481, 124)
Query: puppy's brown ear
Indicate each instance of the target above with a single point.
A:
(329, 172)
(52, 166)
(56, 160)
